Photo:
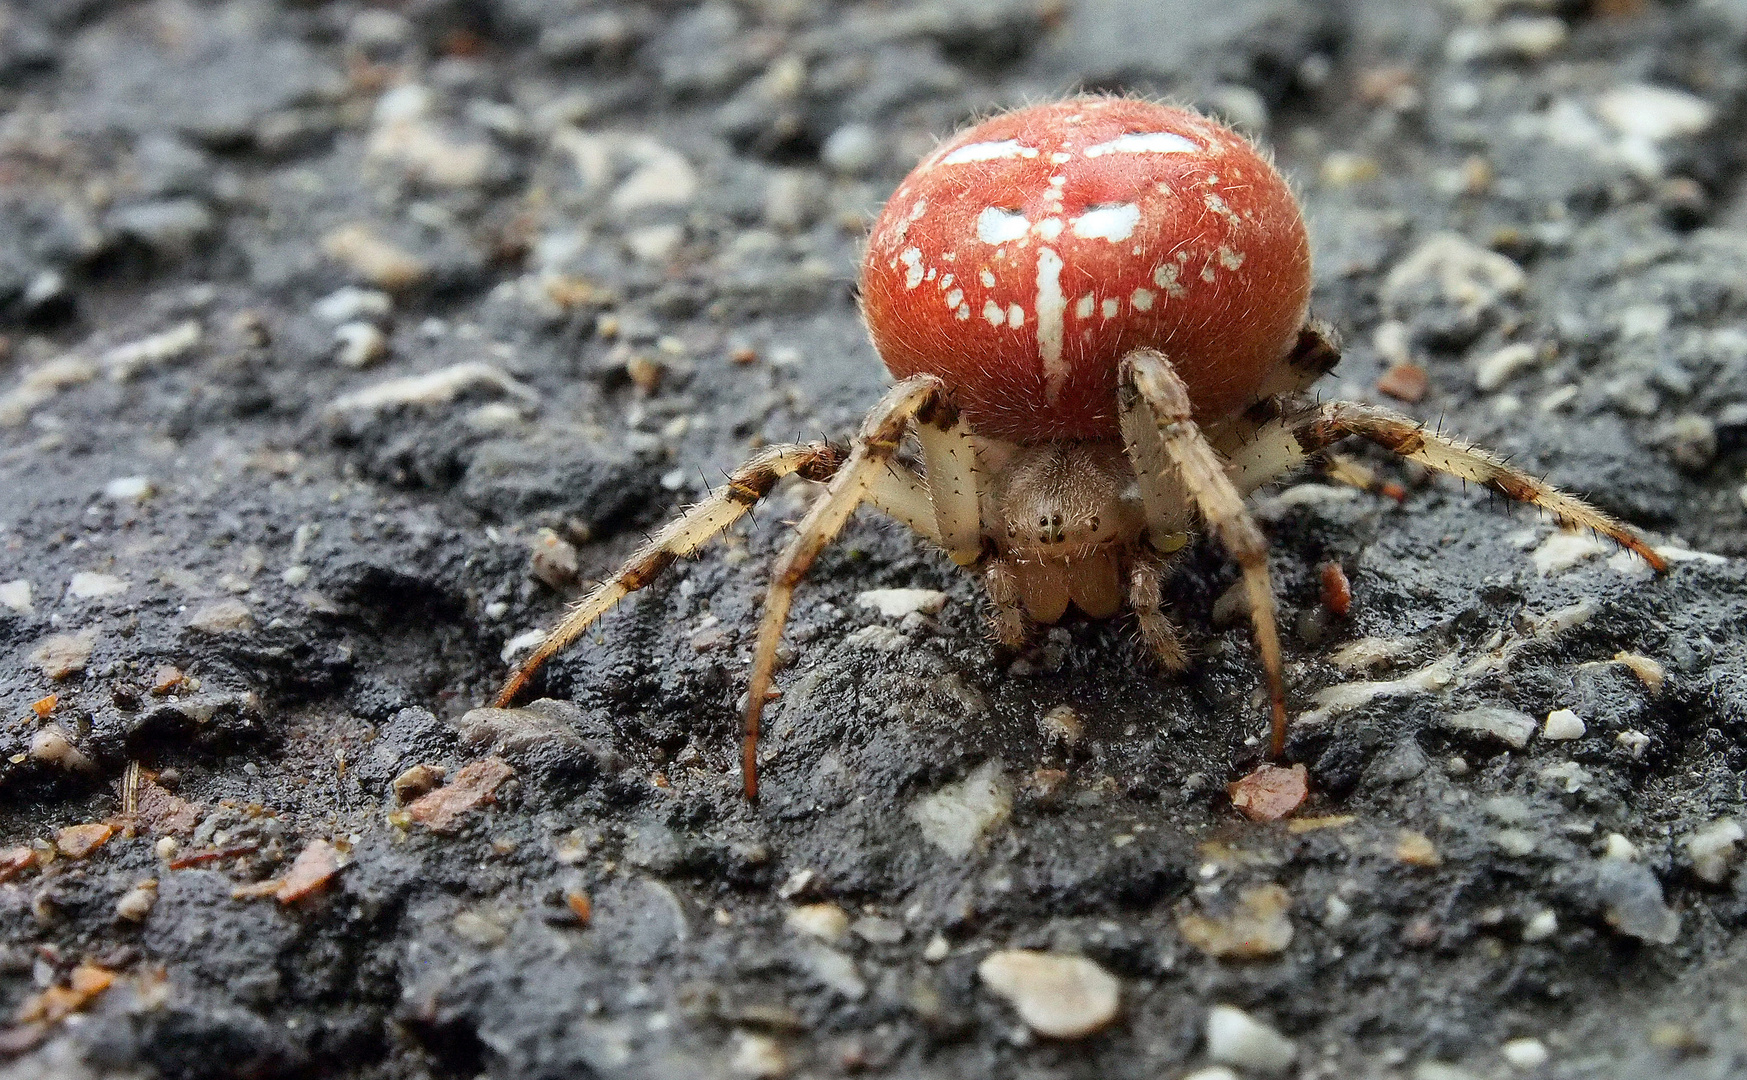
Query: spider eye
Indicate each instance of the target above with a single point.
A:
(1094, 523)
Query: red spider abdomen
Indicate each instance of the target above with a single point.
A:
(1023, 259)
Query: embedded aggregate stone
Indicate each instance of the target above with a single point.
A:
(586, 258)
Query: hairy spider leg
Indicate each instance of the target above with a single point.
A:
(1286, 442)
(682, 536)
(869, 458)
(1155, 410)
(1146, 577)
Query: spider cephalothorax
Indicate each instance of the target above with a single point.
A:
(1097, 313)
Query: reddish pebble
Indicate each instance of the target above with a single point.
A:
(15, 861)
(580, 905)
(310, 872)
(78, 841)
(1408, 382)
(1337, 594)
(167, 678)
(1270, 793)
(443, 809)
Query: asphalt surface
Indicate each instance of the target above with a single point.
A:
(344, 342)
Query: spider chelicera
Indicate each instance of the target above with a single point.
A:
(1097, 311)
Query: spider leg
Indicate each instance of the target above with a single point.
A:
(1289, 440)
(1155, 411)
(1146, 596)
(873, 449)
(1012, 625)
(680, 537)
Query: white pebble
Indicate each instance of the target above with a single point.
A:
(1563, 724)
(936, 950)
(827, 922)
(359, 345)
(1212, 1072)
(16, 595)
(1508, 726)
(897, 603)
(1543, 925)
(89, 586)
(1234, 1037)
(1061, 997)
(52, 747)
(351, 304)
(1712, 849)
(854, 149)
(759, 1056)
(1525, 1053)
(1618, 847)
(956, 817)
(129, 489)
(1656, 113)
(136, 903)
(1495, 369)
(1633, 742)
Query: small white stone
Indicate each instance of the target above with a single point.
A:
(1497, 368)
(1508, 726)
(1061, 997)
(1543, 925)
(1656, 113)
(89, 586)
(854, 149)
(1212, 1072)
(1525, 1053)
(16, 595)
(359, 345)
(956, 817)
(223, 617)
(937, 949)
(1234, 1037)
(1712, 849)
(130, 489)
(521, 643)
(1564, 550)
(1633, 742)
(897, 603)
(136, 903)
(350, 304)
(760, 1057)
(1618, 847)
(827, 922)
(52, 747)
(1563, 724)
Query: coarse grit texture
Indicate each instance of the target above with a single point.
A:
(344, 343)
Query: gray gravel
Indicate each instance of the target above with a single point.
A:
(341, 341)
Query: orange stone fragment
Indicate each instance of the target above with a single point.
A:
(15, 861)
(310, 871)
(1270, 793)
(1408, 382)
(78, 841)
(581, 905)
(58, 1002)
(43, 706)
(475, 785)
(167, 678)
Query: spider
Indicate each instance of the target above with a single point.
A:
(1097, 314)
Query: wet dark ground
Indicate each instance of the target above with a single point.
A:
(624, 238)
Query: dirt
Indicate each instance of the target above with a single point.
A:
(265, 542)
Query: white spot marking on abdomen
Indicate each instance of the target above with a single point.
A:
(912, 259)
(988, 151)
(1113, 222)
(994, 313)
(997, 226)
(1051, 305)
(1145, 142)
